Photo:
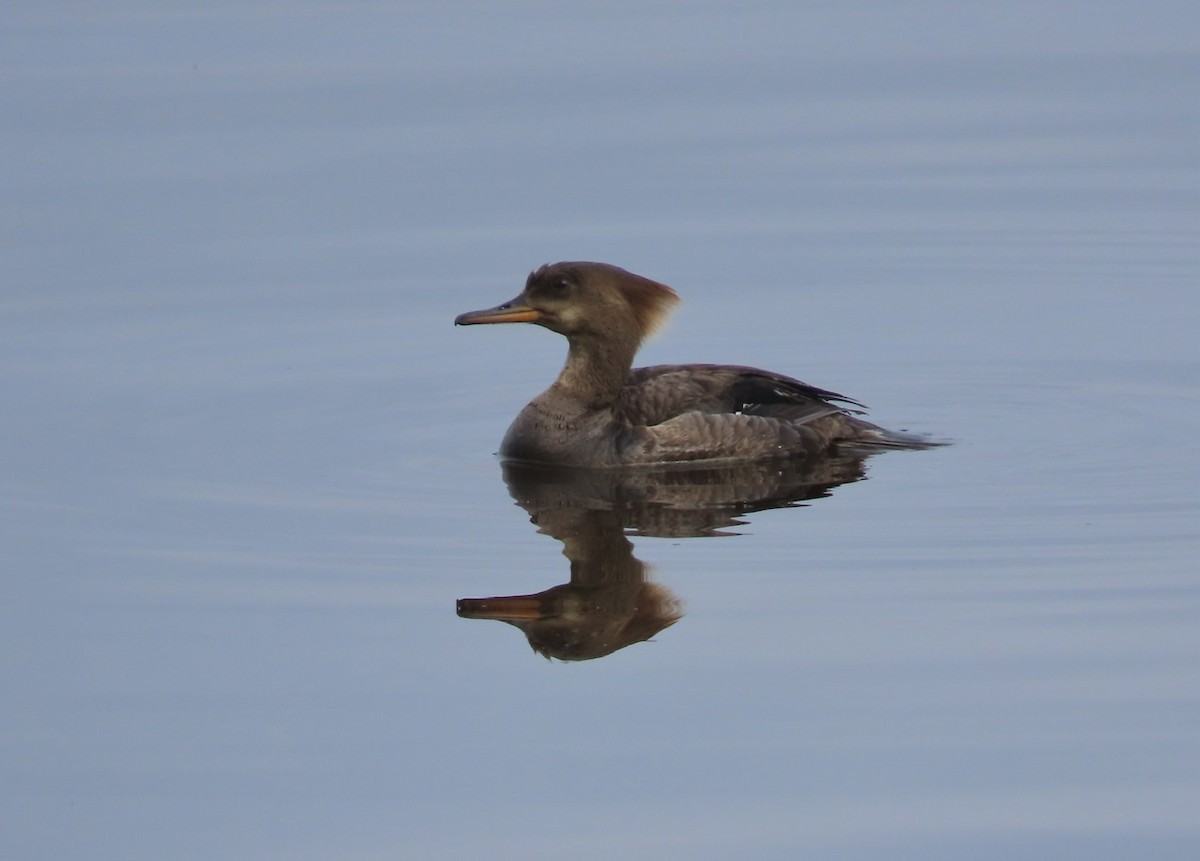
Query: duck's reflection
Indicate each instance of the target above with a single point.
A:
(609, 603)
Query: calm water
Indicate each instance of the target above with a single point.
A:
(247, 467)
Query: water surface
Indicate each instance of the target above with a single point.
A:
(247, 469)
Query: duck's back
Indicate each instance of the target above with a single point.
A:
(732, 412)
(656, 394)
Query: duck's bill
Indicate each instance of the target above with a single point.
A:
(517, 608)
(513, 311)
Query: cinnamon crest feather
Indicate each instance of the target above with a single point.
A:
(650, 301)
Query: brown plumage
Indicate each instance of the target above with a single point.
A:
(603, 412)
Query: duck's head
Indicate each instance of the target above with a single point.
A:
(579, 299)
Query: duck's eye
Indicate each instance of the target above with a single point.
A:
(562, 285)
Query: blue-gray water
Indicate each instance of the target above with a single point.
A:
(246, 462)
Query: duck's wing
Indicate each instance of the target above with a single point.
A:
(659, 393)
(732, 436)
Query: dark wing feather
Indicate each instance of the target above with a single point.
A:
(656, 394)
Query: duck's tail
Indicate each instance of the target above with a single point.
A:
(872, 437)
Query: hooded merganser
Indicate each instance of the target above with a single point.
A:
(603, 412)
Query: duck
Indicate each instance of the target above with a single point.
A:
(603, 412)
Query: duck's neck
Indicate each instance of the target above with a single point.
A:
(596, 369)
